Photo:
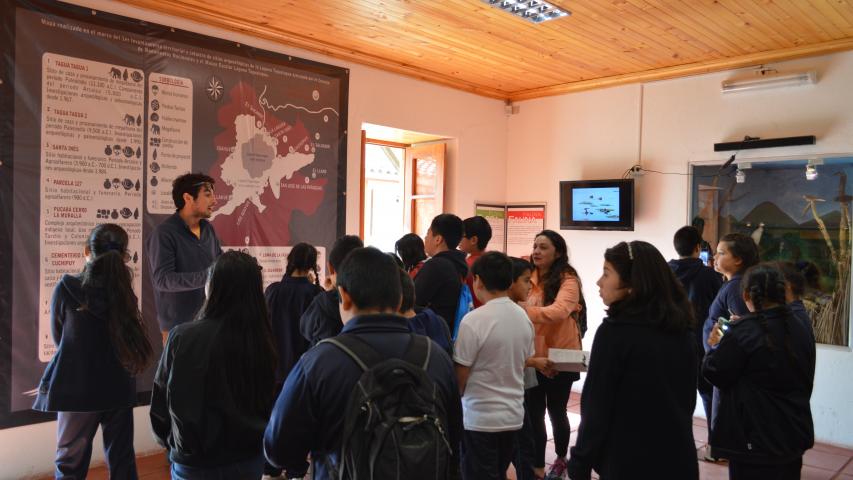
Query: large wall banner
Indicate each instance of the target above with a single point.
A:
(99, 114)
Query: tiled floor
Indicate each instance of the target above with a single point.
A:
(823, 462)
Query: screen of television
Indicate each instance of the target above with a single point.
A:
(597, 205)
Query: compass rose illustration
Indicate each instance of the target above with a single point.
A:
(214, 88)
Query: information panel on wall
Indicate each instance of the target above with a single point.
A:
(514, 226)
(100, 113)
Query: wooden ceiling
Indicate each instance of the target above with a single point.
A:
(467, 44)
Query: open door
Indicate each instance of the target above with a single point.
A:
(424, 178)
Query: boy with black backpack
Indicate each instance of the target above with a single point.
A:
(374, 402)
(490, 352)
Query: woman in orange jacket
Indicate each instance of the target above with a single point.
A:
(553, 306)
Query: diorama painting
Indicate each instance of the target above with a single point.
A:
(793, 219)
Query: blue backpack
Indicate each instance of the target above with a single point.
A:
(465, 305)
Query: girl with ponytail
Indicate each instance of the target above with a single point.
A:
(763, 366)
(287, 300)
(101, 345)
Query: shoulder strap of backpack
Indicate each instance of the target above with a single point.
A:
(361, 353)
(418, 351)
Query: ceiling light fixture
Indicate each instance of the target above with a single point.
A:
(534, 11)
(770, 80)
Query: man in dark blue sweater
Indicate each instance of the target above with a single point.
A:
(702, 284)
(181, 249)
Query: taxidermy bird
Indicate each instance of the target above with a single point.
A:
(756, 235)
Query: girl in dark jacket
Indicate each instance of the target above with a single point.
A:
(736, 253)
(214, 387)
(101, 344)
(764, 366)
(640, 392)
(287, 300)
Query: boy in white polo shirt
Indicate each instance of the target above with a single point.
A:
(493, 344)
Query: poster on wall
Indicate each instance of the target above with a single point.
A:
(514, 226)
(523, 222)
(100, 113)
(496, 216)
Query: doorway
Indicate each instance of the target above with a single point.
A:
(402, 184)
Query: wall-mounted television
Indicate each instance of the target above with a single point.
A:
(597, 205)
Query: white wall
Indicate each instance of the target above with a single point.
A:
(596, 134)
(476, 170)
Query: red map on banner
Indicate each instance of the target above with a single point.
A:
(260, 173)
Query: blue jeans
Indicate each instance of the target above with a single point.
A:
(251, 469)
(74, 434)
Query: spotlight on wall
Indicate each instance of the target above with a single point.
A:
(769, 79)
(740, 174)
(811, 168)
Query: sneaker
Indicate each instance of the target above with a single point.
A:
(558, 470)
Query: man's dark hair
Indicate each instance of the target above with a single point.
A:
(191, 183)
(794, 277)
(450, 227)
(519, 266)
(371, 278)
(494, 270)
(341, 248)
(686, 240)
(407, 287)
(480, 227)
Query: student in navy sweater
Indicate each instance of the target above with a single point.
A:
(702, 284)
(287, 300)
(736, 252)
(101, 344)
(764, 367)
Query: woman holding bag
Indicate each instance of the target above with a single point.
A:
(553, 305)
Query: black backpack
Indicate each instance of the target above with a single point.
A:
(580, 316)
(395, 424)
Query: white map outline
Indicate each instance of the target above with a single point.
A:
(262, 101)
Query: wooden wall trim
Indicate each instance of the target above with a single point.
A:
(690, 69)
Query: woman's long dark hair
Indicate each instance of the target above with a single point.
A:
(655, 293)
(743, 247)
(561, 266)
(107, 273)
(303, 256)
(410, 248)
(244, 345)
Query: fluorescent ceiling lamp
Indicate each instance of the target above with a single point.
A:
(534, 11)
(770, 81)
